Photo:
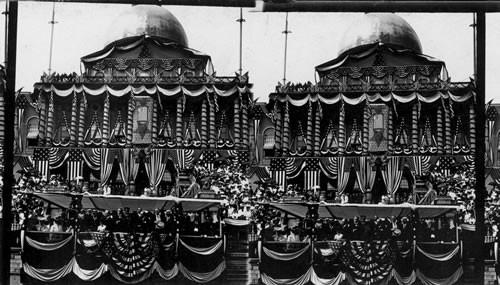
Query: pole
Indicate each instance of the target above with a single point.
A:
(8, 143)
(480, 67)
(52, 22)
(241, 20)
(286, 32)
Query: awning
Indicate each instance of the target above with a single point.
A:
(32, 132)
(350, 211)
(115, 202)
(269, 142)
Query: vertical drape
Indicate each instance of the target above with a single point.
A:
(204, 124)
(42, 119)
(286, 131)
(81, 121)
(309, 129)
(74, 121)
(317, 130)
(390, 130)
(18, 126)
(447, 126)
(277, 130)
(106, 165)
(237, 121)
(105, 121)
(129, 166)
(212, 131)
(342, 130)
(130, 118)
(155, 167)
(414, 128)
(343, 171)
(392, 175)
(440, 130)
(154, 125)
(256, 127)
(178, 124)
(366, 128)
(472, 127)
(50, 120)
(365, 174)
(245, 135)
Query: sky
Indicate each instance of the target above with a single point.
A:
(82, 29)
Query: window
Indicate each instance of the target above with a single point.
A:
(269, 141)
(32, 132)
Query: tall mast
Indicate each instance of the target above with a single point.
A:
(52, 23)
(286, 32)
(241, 20)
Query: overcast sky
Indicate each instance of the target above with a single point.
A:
(82, 29)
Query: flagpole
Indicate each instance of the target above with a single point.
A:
(241, 20)
(286, 32)
(52, 23)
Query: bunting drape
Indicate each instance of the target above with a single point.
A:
(344, 171)
(156, 166)
(106, 165)
(392, 175)
(365, 174)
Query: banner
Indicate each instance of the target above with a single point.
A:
(142, 120)
(377, 133)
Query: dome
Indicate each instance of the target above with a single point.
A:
(386, 28)
(148, 20)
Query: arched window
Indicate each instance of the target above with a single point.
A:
(269, 140)
(32, 131)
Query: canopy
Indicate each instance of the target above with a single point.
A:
(133, 202)
(350, 211)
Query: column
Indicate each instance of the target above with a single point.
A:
(42, 119)
(390, 131)
(317, 130)
(309, 130)
(154, 123)
(342, 129)
(277, 132)
(105, 121)
(447, 127)
(130, 118)
(245, 140)
(366, 128)
(286, 131)
(50, 120)
(81, 123)
(472, 128)
(237, 123)
(204, 124)
(74, 121)
(179, 121)
(212, 130)
(414, 128)
(439, 122)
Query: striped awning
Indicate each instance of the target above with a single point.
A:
(32, 131)
(269, 142)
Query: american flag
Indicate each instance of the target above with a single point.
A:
(444, 164)
(75, 164)
(41, 158)
(208, 159)
(311, 173)
(278, 170)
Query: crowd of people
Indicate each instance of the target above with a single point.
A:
(243, 200)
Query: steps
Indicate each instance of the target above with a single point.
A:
(241, 270)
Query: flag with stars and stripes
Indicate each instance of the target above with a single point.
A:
(41, 159)
(311, 174)
(329, 166)
(444, 164)
(75, 164)
(208, 159)
(278, 170)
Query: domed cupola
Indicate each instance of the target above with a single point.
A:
(382, 28)
(150, 20)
